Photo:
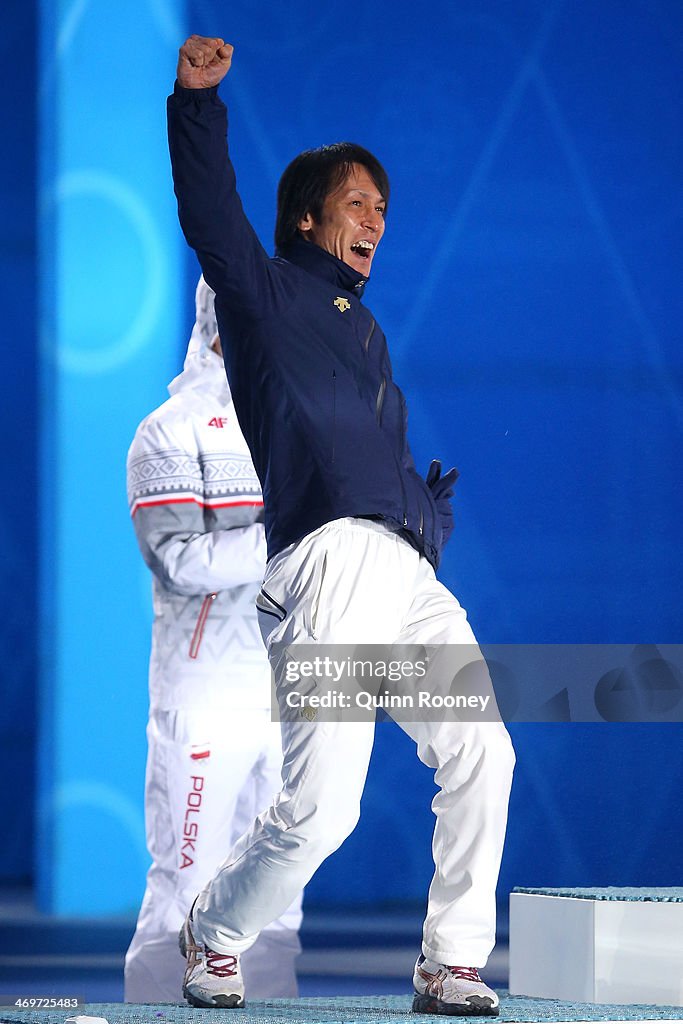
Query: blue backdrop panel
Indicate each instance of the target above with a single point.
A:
(111, 269)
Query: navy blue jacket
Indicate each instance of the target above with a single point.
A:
(307, 363)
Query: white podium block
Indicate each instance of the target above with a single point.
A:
(597, 945)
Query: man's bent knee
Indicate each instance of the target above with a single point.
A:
(322, 827)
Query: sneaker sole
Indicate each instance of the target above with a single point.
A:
(476, 1006)
(218, 1002)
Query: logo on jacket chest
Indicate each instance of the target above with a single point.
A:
(342, 304)
(218, 421)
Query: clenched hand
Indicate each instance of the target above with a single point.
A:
(203, 62)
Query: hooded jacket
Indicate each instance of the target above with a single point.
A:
(197, 511)
(308, 364)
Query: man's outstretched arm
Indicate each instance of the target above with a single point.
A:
(233, 260)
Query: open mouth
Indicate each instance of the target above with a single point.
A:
(363, 248)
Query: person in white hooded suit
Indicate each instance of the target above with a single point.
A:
(214, 756)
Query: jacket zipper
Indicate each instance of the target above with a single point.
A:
(334, 411)
(400, 462)
(366, 343)
(380, 400)
(196, 641)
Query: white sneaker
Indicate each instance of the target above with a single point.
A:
(211, 978)
(457, 991)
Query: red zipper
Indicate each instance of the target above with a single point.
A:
(195, 642)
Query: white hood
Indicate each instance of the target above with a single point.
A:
(203, 368)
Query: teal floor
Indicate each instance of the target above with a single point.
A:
(339, 1010)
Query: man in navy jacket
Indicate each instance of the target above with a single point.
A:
(354, 536)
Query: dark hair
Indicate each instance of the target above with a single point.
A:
(314, 175)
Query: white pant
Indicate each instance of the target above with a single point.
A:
(209, 772)
(353, 581)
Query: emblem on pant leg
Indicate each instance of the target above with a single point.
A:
(199, 751)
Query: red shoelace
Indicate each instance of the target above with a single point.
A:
(466, 973)
(221, 965)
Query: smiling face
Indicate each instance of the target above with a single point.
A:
(351, 221)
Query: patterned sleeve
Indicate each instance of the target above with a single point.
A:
(196, 516)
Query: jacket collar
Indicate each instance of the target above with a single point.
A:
(317, 261)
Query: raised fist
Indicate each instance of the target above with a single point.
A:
(203, 62)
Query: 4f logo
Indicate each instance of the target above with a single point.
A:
(218, 421)
(342, 304)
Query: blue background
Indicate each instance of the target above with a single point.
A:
(530, 287)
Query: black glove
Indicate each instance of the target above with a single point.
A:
(442, 492)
